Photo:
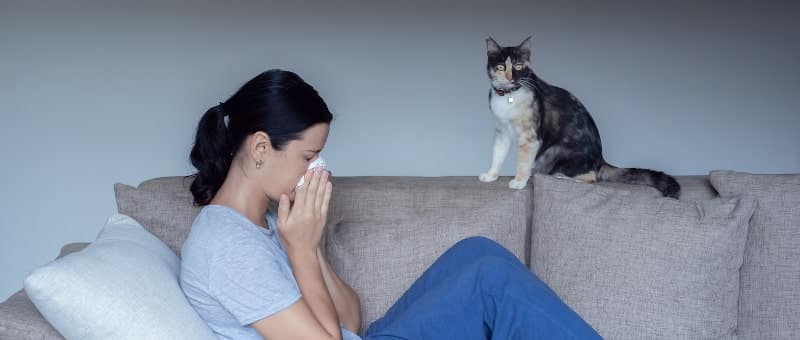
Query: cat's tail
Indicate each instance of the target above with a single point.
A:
(667, 184)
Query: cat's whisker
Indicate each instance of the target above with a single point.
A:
(533, 85)
(528, 84)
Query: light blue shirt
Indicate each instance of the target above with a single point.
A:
(234, 272)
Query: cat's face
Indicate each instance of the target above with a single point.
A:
(506, 65)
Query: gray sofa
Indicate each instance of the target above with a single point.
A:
(382, 233)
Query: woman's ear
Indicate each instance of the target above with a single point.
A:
(259, 146)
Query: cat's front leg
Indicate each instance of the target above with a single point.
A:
(528, 147)
(502, 142)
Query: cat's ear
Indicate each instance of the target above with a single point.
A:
(526, 44)
(525, 49)
(491, 46)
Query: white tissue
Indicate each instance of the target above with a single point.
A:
(317, 163)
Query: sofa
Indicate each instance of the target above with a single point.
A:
(383, 232)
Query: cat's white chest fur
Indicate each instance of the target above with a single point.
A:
(511, 104)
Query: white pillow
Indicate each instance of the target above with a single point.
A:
(122, 286)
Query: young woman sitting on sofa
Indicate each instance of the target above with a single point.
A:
(252, 272)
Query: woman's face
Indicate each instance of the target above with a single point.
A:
(283, 169)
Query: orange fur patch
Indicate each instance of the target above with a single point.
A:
(589, 177)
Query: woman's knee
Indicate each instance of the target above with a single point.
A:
(473, 249)
(476, 242)
(477, 246)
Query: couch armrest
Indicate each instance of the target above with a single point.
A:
(19, 318)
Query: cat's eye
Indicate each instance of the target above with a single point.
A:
(518, 67)
(500, 67)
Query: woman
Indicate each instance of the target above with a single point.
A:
(252, 273)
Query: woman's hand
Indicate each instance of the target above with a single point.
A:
(301, 225)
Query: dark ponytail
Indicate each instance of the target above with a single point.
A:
(211, 155)
(277, 102)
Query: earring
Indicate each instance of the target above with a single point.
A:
(259, 163)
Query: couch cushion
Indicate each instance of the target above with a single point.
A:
(770, 293)
(162, 205)
(637, 266)
(122, 286)
(383, 232)
(695, 188)
(19, 318)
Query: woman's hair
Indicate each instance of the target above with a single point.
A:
(277, 102)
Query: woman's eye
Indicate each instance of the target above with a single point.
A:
(500, 67)
(518, 67)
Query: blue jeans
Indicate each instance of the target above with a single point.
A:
(479, 290)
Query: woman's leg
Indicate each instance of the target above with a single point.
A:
(453, 260)
(477, 290)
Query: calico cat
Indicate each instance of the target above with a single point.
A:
(554, 131)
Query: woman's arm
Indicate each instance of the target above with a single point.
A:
(311, 317)
(308, 271)
(314, 315)
(344, 298)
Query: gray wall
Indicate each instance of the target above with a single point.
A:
(93, 93)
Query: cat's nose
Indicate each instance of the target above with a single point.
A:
(509, 76)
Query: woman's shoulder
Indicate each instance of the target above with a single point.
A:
(220, 227)
(224, 220)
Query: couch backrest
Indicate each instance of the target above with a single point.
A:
(382, 232)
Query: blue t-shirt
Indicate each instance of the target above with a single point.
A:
(234, 272)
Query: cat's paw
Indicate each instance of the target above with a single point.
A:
(517, 184)
(487, 177)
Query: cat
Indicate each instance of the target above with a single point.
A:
(555, 134)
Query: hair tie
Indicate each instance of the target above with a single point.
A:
(222, 108)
